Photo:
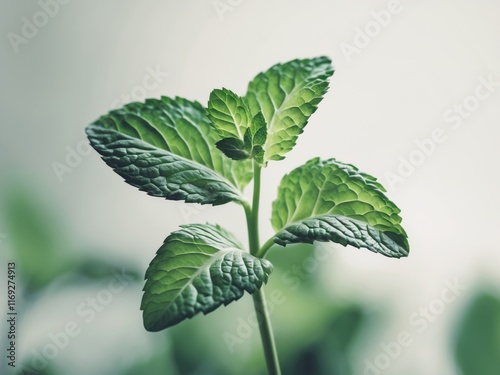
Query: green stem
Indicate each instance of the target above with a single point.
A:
(259, 300)
(265, 248)
(252, 213)
(266, 332)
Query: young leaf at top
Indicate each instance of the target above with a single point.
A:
(242, 135)
(198, 268)
(167, 148)
(256, 136)
(287, 95)
(229, 113)
(332, 201)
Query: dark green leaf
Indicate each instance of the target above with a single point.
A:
(198, 268)
(332, 201)
(167, 148)
(233, 148)
(287, 95)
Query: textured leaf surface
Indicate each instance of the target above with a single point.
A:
(242, 136)
(233, 148)
(287, 95)
(332, 201)
(198, 268)
(228, 113)
(167, 148)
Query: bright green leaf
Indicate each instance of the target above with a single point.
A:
(198, 268)
(258, 129)
(332, 201)
(239, 131)
(167, 148)
(287, 95)
(228, 113)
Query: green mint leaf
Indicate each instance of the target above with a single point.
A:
(233, 148)
(332, 201)
(258, 154)
(231, 118)
(255, 138)
(287, 95)
(228, 113)
(199, 268)
(247, 139)
(259, 129)
(167, 148)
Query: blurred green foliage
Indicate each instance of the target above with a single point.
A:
(38, 247)
(477, 345)
(41, 249)
(315, 335)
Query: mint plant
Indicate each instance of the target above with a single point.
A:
(176, 149)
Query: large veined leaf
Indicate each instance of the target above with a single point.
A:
(198, 268)
(287, 95)
(332, 201)
(167, 148)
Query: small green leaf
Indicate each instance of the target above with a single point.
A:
(332, 201)
(167, 148)
(198, 268)
(258, 154)
(240, 133)
(228, 113)
(259, 130)
(287, 95)
(233, 148)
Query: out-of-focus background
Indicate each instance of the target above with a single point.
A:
(414, 100)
